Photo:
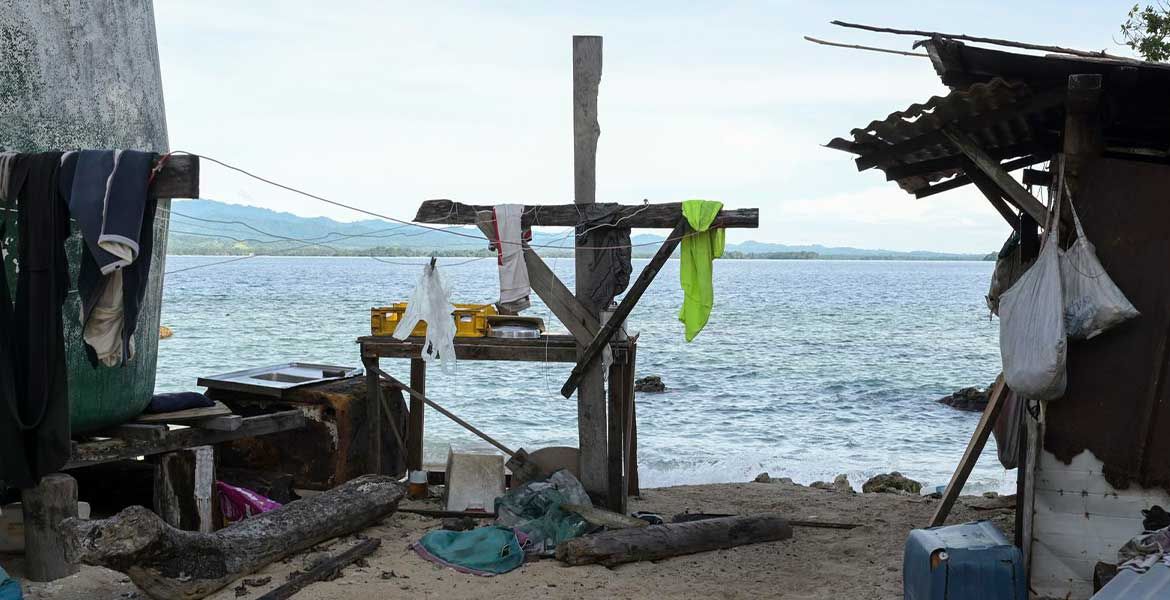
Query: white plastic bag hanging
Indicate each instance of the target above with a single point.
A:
(431, 302)
(1032, 342)
(1092, 302)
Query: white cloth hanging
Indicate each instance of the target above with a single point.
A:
(514, 286)
(431, 302)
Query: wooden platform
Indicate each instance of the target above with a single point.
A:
(547, 348)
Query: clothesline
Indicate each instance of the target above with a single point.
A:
(419, 225)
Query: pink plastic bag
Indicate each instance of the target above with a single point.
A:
(237, 503)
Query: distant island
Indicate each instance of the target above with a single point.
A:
(213, 228)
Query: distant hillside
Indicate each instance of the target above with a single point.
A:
(208, 227)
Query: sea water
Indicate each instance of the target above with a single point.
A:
(806, 369)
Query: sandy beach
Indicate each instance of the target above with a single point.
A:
(862, 563)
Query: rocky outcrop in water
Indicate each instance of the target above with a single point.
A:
(650, 384)
(891, 483)
(970, 398)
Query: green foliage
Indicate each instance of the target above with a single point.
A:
(1146, 30)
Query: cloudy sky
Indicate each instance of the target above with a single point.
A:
(385, 104)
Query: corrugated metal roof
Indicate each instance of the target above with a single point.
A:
(994, 113)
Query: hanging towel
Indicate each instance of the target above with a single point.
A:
(698, 251)
(514, 287)
(107, 191)
(431, 302)
(611, 266)
(487, 551)
(34, 428)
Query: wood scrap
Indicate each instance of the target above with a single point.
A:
(184, 417)
(656, 542)
(326, 569)
(168, 563)
(604, 518)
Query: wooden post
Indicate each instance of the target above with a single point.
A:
(414, 429)
(373, 414)
(616, 490)
(53, 500)
(591, 404)
(1082, 126)
(184, 489)
(631, 423)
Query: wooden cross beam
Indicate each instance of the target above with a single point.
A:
(625, 307)
(962, 180)
(1012, 189)
(645, 216)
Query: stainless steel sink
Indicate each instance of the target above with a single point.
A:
(275, 379)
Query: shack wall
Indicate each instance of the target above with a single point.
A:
(1106, 451)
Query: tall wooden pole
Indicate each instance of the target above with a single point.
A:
(591, 400)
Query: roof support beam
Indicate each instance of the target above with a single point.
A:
(993, 194)
(649, 216)
(962, 180)
(955, 161)
(983, 163)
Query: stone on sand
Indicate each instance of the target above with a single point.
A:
(892, 483)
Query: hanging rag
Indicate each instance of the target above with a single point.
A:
(699, 250)
(510, 236)
(486, 551)
(107, 192)
(34, 433)
(610, 268)
(431, 302)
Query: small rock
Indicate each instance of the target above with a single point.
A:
(361, 563)
(970, 398)
(894, 483)
(650, 383)
(389, 575)
(786, 480)
(991, 494)
(763, 478)
(257, 581)
(821, 485)
(841, 484)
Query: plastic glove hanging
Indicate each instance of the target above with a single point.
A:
(431, 302)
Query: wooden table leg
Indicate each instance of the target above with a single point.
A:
(184, 489)
(373, 414)
(45, 506)
(414, 427)
(631, 422)
(616, 475)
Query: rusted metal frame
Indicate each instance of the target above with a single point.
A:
(625, 307)
(990, 167)
(995, 401)
(962, 180)
(1036, 103)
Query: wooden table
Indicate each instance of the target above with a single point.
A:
(547, 348)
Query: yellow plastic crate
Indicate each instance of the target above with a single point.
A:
(470, 319)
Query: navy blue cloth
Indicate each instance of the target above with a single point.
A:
(107, 192)
(175, 401)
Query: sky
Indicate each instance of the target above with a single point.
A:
(384, 104)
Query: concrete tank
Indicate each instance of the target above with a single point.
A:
(85, 74)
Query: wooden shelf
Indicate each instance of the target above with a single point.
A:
(548, 348)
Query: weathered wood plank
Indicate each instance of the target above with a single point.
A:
(626, 306)
(995, 399)
(184, 494)
(616, 494)
(657, 542)
(1011, 188)
(183, 417)
(956, 161)
(992, 193)
(139, 432)
(962, 180)
(330, 567)
(95, 453)
(53, 500)
(179, 178)
(647, 216)
(169, 563)
(415, 418)
(224, 423)
(549, 348)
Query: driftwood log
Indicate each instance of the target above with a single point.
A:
(169, 563)
(674, 539)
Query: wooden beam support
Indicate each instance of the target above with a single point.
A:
(415, 425)
(1082, 127)
(992, 193)
(373, 415)
(184, 488)
(572, 313)
(978, 439)
(53, 500)
(643, 216)
(892, 152)
(591, 404)
(961, 180)
(625, 307)
(1037, 177)
(1011, 188)
(179, 178)
(955, 161)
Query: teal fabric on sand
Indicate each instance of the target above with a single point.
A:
(489, 550)
(9, 587)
